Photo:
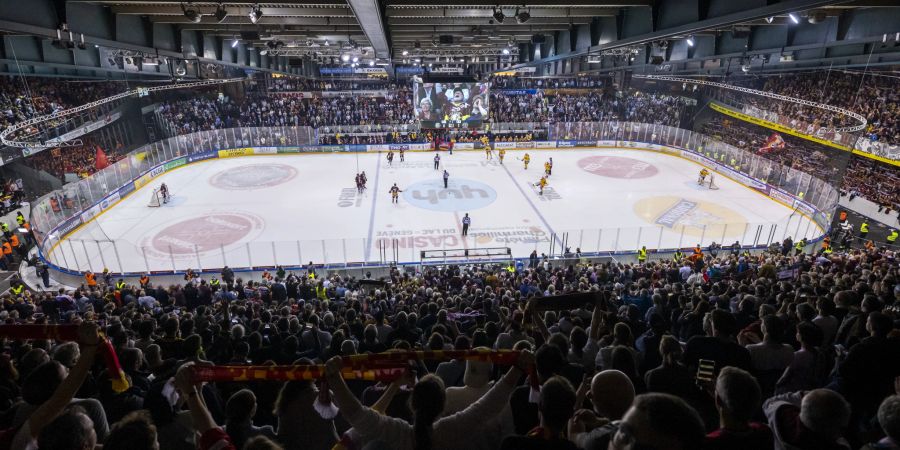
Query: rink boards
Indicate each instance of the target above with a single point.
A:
(233, 208)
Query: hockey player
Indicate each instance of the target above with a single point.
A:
(359, 184)
(547, 167)
(703, 174)
(526, 159)
(395, 194)
(164, 191)
(390, 157)
(488, 151)
(501, 154)
(402, 155)
(541, 183)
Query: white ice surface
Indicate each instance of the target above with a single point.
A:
(317, 216)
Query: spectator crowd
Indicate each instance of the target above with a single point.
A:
(723, 350)
(863, 177)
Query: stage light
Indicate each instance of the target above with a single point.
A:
(221, 13)
(498, 14)
(405, 52)
(255, 13)
(371, 63)
(345, 57)
(690, 41)
(356, 59)
(505, 51)
(235, 43)
(770, 19)
(522, 17)
(794, 18)
(192, 14)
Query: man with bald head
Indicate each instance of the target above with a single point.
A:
(611, 393)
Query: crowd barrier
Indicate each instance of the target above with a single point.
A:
(55, 216)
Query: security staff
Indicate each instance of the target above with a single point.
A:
(892, 238)
(20, 219)
(798, 247)
(17, 288)
(642, 255)
(864, 229)
(214, 282)
(678, 256)
(90, 279)
(120, 284)
(145, 281)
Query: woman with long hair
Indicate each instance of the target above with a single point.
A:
(300, 427)
(429, 430)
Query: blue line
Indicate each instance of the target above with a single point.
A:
(374, 202)
(528, 199)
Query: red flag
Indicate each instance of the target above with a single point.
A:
(101, 161)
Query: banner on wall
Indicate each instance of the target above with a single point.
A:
(288, 149)
(464, 146)
(175, 163)
(499, 145)
(265, 151)
(544, 144)
(516, 91)
(565, 144)
(232, 152)
(202, 156)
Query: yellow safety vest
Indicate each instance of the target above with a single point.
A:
(892, 237)
(214, 282)
(642, 254)
(864, 228)
(678, 256)
(17, 290)
(120, 285)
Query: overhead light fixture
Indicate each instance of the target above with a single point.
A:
(235, 42)
(192, 14)
(326, 43)
(418, 60)
(794, 18)
(690, 41)
(255, 13)
(405, 52)
(371, 63)
(745, 68)
(221, 13)
(498, 14)
(345, 57)
(356, 59)
(523, 16)
(505, 51)
(263, 52)
(770, 19)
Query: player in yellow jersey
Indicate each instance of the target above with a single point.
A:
(501, 153)
(526, 159)
(540, 184)
(703, 174)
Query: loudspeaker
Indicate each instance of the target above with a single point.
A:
(446, 39)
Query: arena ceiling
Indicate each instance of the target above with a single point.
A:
(401, 29)
(560, 37)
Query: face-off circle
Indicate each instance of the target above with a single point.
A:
(460, 195)
(617, 167)
(253, 176)
(205, 233)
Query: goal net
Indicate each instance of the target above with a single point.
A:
(156, 199)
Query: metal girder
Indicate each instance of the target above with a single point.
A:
(156, 10)
(486, 12)
(244, 20)
(726, 20)
(437, 21)
(368, 14)
(212, 3)
(532, 3)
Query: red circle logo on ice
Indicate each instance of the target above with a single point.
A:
(617, 167)
(253, 176)
(205, 233)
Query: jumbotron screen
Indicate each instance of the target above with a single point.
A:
(451, 105)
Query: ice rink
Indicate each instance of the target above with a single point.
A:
(291, 209)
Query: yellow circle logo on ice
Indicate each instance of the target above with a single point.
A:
(693, 217)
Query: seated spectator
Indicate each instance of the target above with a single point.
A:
(738, 398)
(806, 421)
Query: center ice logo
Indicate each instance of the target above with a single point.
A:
(460, 195)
